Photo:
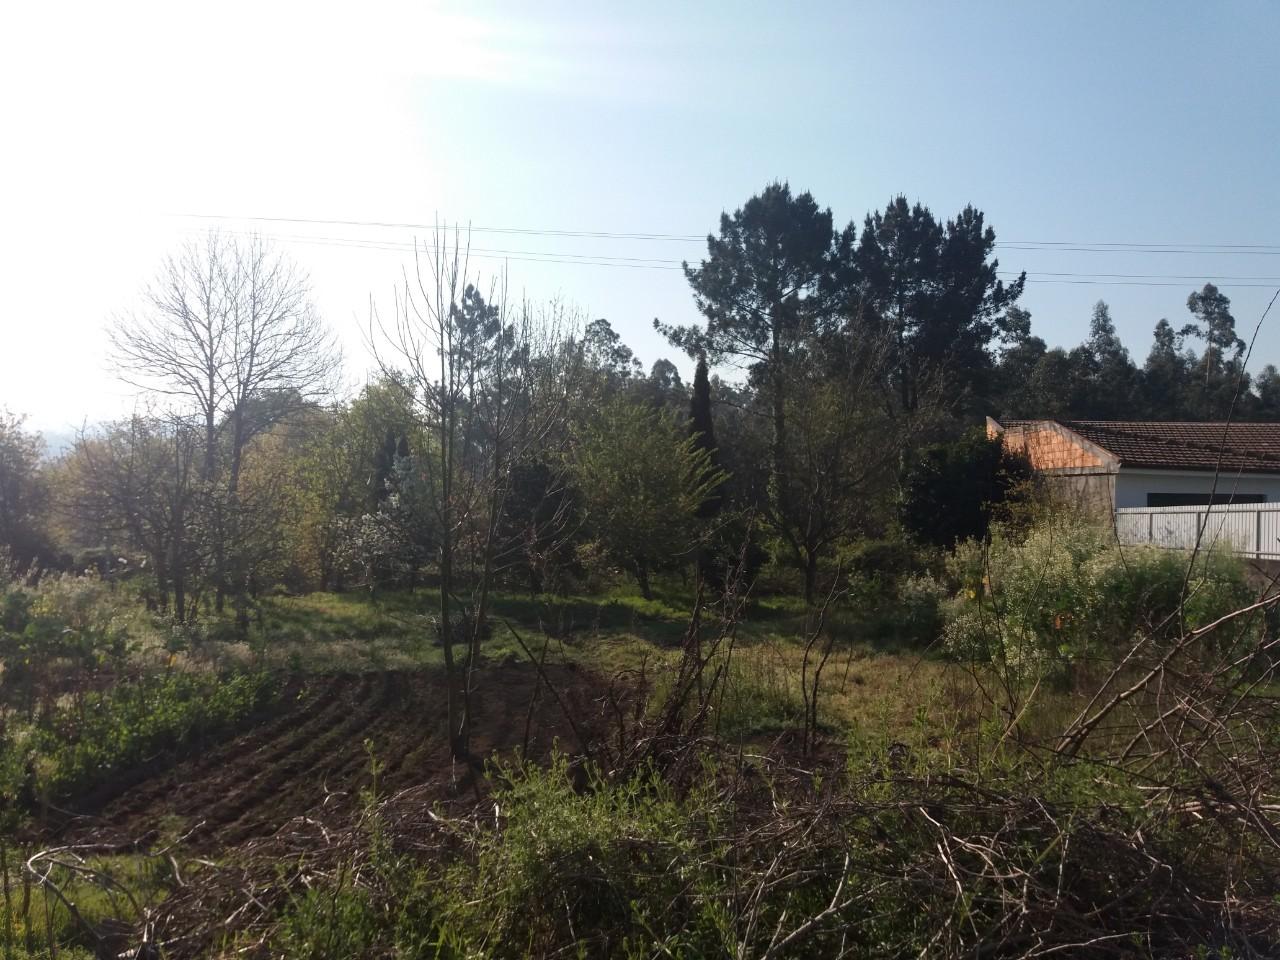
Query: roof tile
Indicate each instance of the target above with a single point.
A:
(1248, 447)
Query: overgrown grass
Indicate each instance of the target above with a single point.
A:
(396, 629)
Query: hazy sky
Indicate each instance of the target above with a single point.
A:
(1072, 123)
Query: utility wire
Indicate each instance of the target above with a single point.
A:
(657, 263)
(600, 234)
(1261, 249)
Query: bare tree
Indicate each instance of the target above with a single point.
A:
(229, 335)
(491, 386)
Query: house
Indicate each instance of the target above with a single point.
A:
(1111, 464)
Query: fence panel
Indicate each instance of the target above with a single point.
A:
(1249, 529)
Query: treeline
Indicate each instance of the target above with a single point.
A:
(1099, 380)
(502, 443)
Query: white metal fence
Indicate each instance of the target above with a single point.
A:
(1249, 529)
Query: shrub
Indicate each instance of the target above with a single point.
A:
(1069, 593)
(55, 632)
(891, 560)
(893, 596)
(614, 868)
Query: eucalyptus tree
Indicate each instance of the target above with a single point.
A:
(1220, 378)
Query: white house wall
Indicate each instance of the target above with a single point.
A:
(1132, 486)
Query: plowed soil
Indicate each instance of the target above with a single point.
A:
(317, 750)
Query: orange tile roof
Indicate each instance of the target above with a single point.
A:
(1247, 447)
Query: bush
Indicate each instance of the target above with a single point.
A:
(614, 869)
(1069, 593)
(893, 594)
(55, 633)
(892, 559)
(867, 863)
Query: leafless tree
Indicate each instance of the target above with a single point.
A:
(228, 335)
(491, 386)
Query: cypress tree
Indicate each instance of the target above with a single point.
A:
(702, 429)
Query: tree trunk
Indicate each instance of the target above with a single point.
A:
(810, 576)
(162, 585)
(642, 578)
(457, 718)
(178, 566)
(779, 445)
(179, 595)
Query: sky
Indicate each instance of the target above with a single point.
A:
(342, 132)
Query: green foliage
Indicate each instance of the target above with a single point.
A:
(56, 634)
(78, 714)
(339, 922)
(617, 869)
(78, 749)
(891, 559)
(769, 280)
(702, 429)
(642, 484)
(34, 920)
(934, 290)
(952, 490)
(24, 494)
(1068, 593)
(894, 598)
(856, 861)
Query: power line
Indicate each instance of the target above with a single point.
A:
(656, 263)
(1101, 243)
(1142, 276)
(527, 256)
(1207, 251)
(598, 234)
(1258, 249)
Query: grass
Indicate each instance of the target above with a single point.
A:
(31, 918)
(864, 685)
(606, 856)
(395, 629)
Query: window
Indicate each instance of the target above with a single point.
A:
(1201, 499)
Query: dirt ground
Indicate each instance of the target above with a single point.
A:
(316, 751)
